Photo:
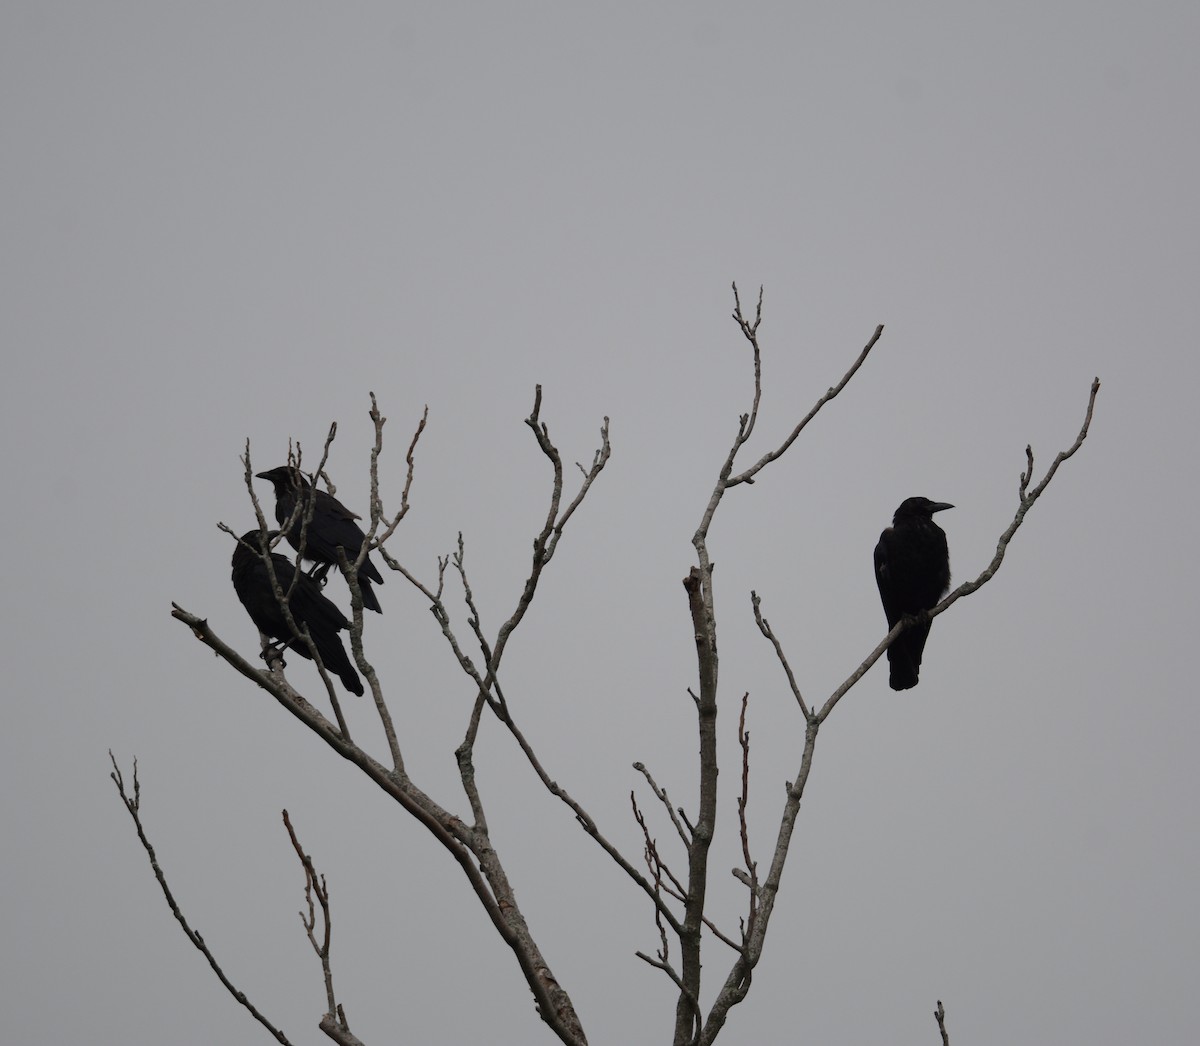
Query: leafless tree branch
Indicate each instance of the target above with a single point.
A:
(485, 680)
(133, 805)
(750, 332)
(766, 459)
(669, 970)
(546, 542)
(378, 515)
(661, 795)
(674, 888)
(663, 960)
(654, 861)
(315, 887)
(465, 756)
(940, 1015)
(701, 604)
(765, 628)
(350, 571)
(338, 1032)
(1025, 502)
(743, 802)
(470, 848)
(737, 982)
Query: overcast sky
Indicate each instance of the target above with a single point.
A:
(228, 221)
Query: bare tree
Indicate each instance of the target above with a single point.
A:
(682, 919)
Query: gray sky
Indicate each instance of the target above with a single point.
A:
(224, 221)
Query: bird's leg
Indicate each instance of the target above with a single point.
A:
(918, 617)
(319, 572)
(275, 649)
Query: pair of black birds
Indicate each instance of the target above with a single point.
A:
(330, 526)
(912, 569)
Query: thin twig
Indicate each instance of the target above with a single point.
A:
(750, 331)
(661, 795)
(654, 862)
(391, 524)
(766, 459)
(940, 1015)
(546, 542)
(586, 821)
(765, 628)
(133, 805)
(669, 970)
(314, 886)
(743, 803)
(370, 541)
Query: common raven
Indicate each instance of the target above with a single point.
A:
(912, 568)
(309, 607)
(332, 525)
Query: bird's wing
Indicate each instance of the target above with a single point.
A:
(333, 525)
(310, 605)
(326, 502)
(883, 579)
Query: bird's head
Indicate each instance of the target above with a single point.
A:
(253, 540)
(919, 508)
(285, 477)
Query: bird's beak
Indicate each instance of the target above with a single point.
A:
(939, 506)
(262, 475)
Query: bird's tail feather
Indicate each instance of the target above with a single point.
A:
(904, 656)
(902, 673)
(370, 600)
(333, 656)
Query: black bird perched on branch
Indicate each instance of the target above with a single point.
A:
(912, 568)
(309, 607)
(332, 525)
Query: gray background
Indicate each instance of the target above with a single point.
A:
(224, 221)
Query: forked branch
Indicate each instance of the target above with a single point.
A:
(316, 888)
(766, 459)
(940, 1015)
